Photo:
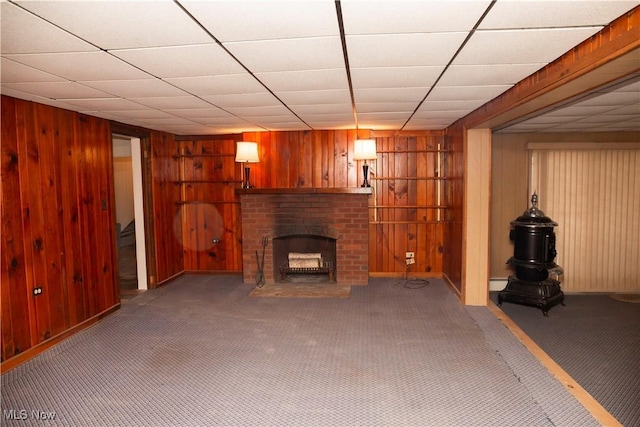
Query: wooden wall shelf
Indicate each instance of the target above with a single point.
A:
(359, 190)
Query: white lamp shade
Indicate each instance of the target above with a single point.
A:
(364, 149)
(247, 152)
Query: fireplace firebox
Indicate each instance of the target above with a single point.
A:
(304, 258)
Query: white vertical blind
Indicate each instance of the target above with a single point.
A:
(594, 195)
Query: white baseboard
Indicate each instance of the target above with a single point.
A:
(497, 284)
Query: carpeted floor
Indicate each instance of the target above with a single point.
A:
(200, 351)
(596, 340)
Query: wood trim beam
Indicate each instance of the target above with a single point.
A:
(477, 189)
(604, 58)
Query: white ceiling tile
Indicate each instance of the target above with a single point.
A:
(196, 129)
(104, 104)
(407, 94)
(626, 110)
(222, 121)
(81, 66)
(395, 77)
(162, 102)
(260, 20)
(289, 54)
(553, 13)
(493, 74)
(182, 61)
(57, 90)
(410, 16)
(144, 113)
(137, 23)
(22, 32)
(334, 124)
(433, 124)
(314, 109)
(198, 114)
(261, 99)
(388, 107)
(169, 121)
(520, 46)
(339, 96)
(36, 98)
(290, 126)
(136, 88)
(579, 110)
(304, 80)
(384, 115)
(606, 118)
(465, 106)
(14, 72)
(614, 98)
(267, 120)
(218, 85)
(466, 93)
(252, 112)
(396, 50)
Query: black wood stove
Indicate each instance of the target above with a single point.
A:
(536, 280)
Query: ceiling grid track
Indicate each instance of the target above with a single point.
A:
(343, 40)
(131, 65)
(223, 47)
(435, 83)
(189, 67)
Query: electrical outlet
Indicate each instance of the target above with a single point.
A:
(410, 257)
(37, 291)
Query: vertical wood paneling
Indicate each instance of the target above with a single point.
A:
(57, 223)
(406, 204)
(207, 176)
(323, 159)
(509, 197)
(16, 313)
(453, 166)
(594, 196)
(70, 177)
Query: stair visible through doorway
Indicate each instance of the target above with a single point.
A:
(127, 262)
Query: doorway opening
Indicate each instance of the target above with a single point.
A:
(129, 213)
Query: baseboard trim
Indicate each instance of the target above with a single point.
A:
(32, 352)
(497, 284)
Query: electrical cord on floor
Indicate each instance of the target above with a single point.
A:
(413, 283)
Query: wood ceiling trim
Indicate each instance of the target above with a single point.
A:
(566, 76)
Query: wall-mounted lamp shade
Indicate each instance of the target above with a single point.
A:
(247, 152)
(364, 149)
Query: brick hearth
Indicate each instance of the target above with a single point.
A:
(342, 214)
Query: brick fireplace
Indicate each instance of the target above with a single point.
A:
(332, 216)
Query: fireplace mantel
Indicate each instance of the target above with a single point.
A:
(305, 190)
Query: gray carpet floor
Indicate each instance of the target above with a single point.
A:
(201, 351)
(596, 340)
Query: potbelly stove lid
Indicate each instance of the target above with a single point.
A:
(534, 217)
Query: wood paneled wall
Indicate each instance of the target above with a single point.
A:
(454, 199)
(407, 212)
(168, 256)
(408, 207)
(207, 214)
(58, 230)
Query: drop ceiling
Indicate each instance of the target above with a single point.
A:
(215, 67)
